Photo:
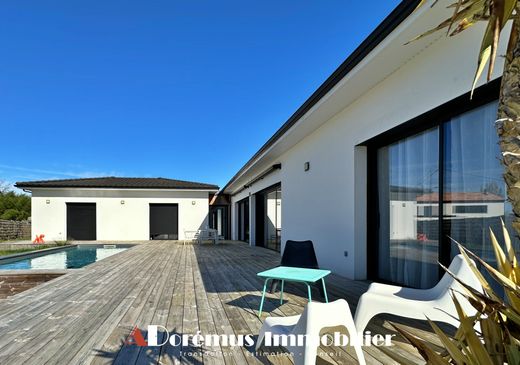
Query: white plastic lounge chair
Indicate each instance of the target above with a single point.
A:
(314, 318)
(435, 303)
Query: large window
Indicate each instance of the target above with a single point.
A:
(243, 219)
(442, 182)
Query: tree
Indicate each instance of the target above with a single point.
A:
(497, 13)
(492, 188)
(13, 206)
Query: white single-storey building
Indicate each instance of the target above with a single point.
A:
(393, 123)
(118, 209)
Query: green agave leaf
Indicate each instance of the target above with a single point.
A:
(498, 276)
(509, 247)
(509, 7)
(511, 314)
(454, 16)
(491, 299)
(426, 352)
(472, 12)
(503, 263)
(464, 2)
(500, 12)
(475, 346)
(506, 269)
(483, 281)
(452, 346)
(485, 52)
(492, 335)
(466, 13)
(513, 350)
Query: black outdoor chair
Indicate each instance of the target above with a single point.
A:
(299, 254)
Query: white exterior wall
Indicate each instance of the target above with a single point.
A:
(327, 204)
(116, 221)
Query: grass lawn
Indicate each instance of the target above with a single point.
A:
(35, 248)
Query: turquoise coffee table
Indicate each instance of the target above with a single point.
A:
(297, 274)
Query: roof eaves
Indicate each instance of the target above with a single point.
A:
(394, 19)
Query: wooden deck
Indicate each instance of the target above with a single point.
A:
(85, 316)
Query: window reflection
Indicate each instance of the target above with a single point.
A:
(408, 175)
(473, 199)
(474, 190)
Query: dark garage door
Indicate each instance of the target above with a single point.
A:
(81, 221)
(164, 221)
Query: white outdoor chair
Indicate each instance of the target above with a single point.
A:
(314, 318)
(208, 235)
(190, 236)
(435, 303)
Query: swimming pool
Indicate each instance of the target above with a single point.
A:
(73, 257)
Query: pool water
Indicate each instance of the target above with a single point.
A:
(68, 258)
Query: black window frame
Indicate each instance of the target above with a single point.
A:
(430, 119)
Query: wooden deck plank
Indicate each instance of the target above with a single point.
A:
(88, 317)
(129, 354)
(109, 348)
(84, 356)
(170, 355)
(66, 307)
(83, 317)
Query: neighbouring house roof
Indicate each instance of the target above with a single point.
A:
(461, 197)
(112, 182)
(396, 17)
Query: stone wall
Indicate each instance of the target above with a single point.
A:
(14, 230)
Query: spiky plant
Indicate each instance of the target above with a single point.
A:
(498, 316)
(496, 13)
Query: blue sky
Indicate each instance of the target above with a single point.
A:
(182, 89)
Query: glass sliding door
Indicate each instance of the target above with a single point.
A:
(269, 218)
(445, 182)
(474, 190)
(408, 177)
(273, 221)
(218, 219)
(243, 220)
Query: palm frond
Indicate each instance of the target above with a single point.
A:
(466, 14)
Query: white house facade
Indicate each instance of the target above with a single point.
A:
(118, 209)
(393, 123)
